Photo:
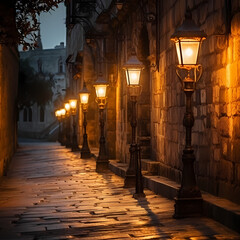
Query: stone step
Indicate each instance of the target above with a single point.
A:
(219, 209)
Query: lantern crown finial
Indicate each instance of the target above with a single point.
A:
(188, 14)
(84, 89)
(188, 29)
(133, 61)
(101, 80)
(188, 38)
(84, 96)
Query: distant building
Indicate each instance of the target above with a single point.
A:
(39, 121)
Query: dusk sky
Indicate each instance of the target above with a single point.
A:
(53, 30)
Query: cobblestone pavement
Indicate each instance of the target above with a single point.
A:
(50, 193)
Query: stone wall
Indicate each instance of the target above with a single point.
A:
(8, 104)
(147, 27)
(132, 35)
(215, 136)
(216, 99)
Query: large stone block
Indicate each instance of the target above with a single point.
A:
(223, 126)
(213, 169)
(204, 159)
(237, 173)
(216, 154)
(235, 25)
(225, 170)
(230, 191)
(215, 137)
(235, 151)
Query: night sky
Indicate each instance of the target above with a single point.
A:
(52, 27)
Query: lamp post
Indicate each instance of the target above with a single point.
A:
(63, 136)
(73, 111)
(58, 116)
(84, 96)
(101, 89)
(188, 38)
(67, 126)
(133, 68)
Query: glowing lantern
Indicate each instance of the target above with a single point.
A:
(188, 38)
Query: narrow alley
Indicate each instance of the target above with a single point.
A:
(50, 193)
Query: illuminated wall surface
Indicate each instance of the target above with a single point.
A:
(161, 105)
(8, 96)
(216, 104)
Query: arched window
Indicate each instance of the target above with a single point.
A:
(39, 62)
(60, 65)
(30, 114)
(42, 113)
(24, 114)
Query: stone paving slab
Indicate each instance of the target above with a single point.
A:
(52, 194)
(219, 209)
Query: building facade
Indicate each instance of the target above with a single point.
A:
(9, 59)
(107, 40)
(39, 121)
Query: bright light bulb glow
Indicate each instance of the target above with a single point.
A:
(187, 51)
(73, 103)
(84, 98)
(101, 91)
(133, 76)
(63, 112)
(67, 106)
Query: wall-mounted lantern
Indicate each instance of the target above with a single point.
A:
(73, 111)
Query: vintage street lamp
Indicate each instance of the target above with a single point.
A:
(63, 136)
(133, 68)
(73, 111)
(188, 38)
(67, 125)
(58, 116)
(101, 89)
(84, 96)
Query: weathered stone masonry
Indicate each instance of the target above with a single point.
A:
(147, 26)
(8, 104)
(216, 100)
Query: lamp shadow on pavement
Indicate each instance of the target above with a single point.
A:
(155, 221)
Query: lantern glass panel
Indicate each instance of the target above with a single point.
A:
(67, 106)
(101, 90)
(84, 98)
(73, 103)
(63, 112)
(133, 76)
(189, 49)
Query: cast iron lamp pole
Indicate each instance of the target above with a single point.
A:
(188, 38)
(63, 118)
(67, 126)
(101, 88)
(84, 96)
(58, 116)
(133, 68)
(73, 111)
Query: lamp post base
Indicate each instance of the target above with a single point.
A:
(85, 155)
(101, 166)
(188, 207)
(75, 148)
(139, 195)
(129, 181)
(68, 145)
